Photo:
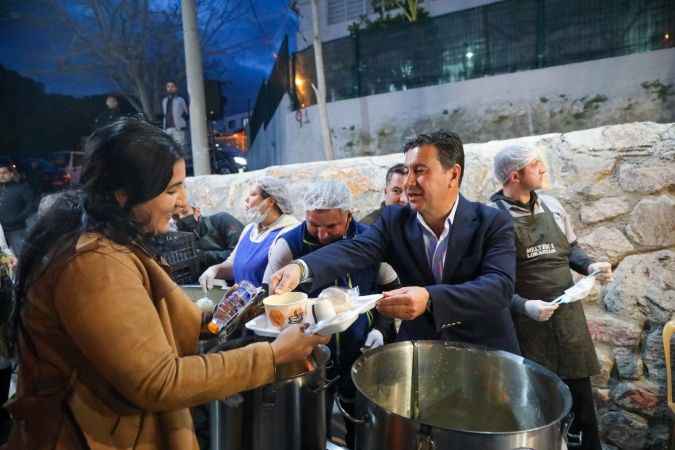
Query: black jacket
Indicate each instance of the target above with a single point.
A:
(373, 215)
(217, 235)
(107, 117)
(16, 204)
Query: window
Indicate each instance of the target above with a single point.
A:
(339, 11)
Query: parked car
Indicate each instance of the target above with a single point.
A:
(53, 171)
(70, 163)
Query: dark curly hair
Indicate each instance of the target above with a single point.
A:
(128, 155)
(448, 144)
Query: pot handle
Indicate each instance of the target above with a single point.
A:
(426, 443)
(424, 439)
(325, 385)
(348, 416)
(566, 424)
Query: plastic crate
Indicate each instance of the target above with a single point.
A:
(179, 251)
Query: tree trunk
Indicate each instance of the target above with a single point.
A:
(321, 79)
(195, 76)
(146, 101)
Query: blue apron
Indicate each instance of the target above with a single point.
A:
(250, 259)
(346, 346)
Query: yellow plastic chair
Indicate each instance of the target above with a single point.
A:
(669, 351)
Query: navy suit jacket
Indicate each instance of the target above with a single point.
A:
(472, 303)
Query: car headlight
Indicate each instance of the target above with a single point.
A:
(240, 160)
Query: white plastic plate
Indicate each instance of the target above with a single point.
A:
(365, 303)
(337, 324)
(261, 326)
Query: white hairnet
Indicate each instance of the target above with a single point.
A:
(276, 188)
(328, 195)
(511, 159)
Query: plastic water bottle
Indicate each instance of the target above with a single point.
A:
(231, 305)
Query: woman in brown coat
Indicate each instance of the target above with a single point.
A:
(107, 342)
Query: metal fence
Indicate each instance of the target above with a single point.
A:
(501, 37)
(271, 92)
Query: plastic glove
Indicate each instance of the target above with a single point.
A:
(206, 305)
(207, 279)
(373, 340)
(603, 269)
(539, 310)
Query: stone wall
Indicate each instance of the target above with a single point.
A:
(618, 184)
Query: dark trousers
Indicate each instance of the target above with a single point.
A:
(5, 420)
(348, 405)
(15, 240)
(583, 407)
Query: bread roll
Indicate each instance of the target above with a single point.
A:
(338, 297)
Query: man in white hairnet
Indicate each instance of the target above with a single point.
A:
(554, 335)
(328, 218)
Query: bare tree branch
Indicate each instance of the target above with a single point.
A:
(136, 45)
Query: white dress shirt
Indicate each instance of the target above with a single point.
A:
(437, 246)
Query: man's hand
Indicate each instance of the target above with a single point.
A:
(285, 279)
(406, 303)
(539, 310)
(603, 269)
(373, 340)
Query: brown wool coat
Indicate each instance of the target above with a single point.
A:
(114, 364)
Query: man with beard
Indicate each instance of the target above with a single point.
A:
(175, 110)
(555, 336)
(328, 218)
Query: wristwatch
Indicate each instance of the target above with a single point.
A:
(304, 270)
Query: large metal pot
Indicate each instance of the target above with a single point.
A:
(437, 395)
(286, 415)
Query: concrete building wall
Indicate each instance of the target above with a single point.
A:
(638, 87)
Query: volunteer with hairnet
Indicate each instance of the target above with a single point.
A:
(328, 218)
(555, 336)
(268, 208)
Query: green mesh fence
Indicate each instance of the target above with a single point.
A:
(501, 37)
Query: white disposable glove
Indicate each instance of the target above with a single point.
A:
(603, 269)
(206, 305)
(208, 278)
(373, 340)
(539, 310)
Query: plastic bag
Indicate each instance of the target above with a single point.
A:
(340, 297)
(581, 289)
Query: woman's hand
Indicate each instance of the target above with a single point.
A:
(208, 278)
(294, 345)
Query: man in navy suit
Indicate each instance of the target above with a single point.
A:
(455, 258)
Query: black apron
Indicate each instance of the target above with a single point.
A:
(562, 343)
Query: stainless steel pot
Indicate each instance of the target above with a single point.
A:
(286, 415)
(436, 395)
